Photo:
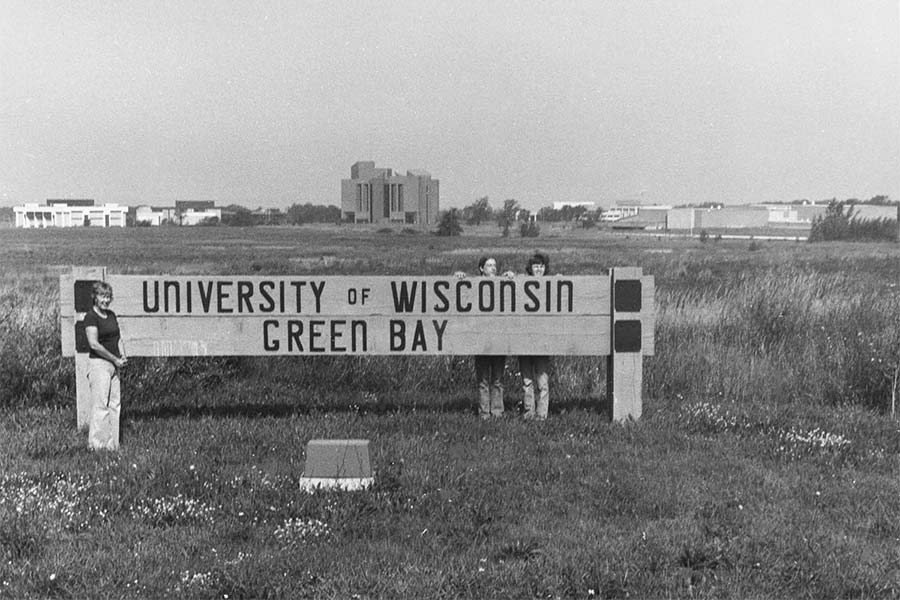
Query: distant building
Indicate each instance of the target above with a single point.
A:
(69, 213)
(871, 212)
(717, 218)
(379, 196)
(617, 213)
(624, 211)
(793, 214)
(155, 215)
(185, 212)
(651, 219)
(193, 212)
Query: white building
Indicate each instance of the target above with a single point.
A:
(194, 216)
(617, 213)
(154, 216)
(183, 213)
(70, 213)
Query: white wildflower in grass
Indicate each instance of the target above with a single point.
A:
(293, 531)
(704, 417)
(60, 497)
(195, 581)
(255, 480)
(172, 510)
(241, 556)
(796, 442)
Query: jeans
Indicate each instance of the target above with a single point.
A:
(106, 400)
(489, 373)
(535, 370)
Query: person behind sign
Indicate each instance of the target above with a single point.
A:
(535, 368)
(106, 359)
(489, 368)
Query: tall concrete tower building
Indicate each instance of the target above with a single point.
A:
(377, 195)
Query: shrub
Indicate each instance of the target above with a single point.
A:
(530, 229)
(837, 224)
(449, 225)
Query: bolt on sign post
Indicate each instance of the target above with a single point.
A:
(307, 315)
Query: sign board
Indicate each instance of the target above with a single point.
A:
(308, 315)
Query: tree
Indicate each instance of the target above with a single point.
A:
(507, 216)
(449, 225)
(834, 225)
(298, 214)
(530, 229)
(549, 214)
(478, 211)
(236, 215)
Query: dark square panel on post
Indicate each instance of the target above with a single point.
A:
(628, 295)
(84, 291)
(627, 336)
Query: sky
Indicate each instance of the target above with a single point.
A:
(270, 103)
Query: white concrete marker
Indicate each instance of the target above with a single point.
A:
(337, 464)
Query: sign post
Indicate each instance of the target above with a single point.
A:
(75, 299)
(308, 315)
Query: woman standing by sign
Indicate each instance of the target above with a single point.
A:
(489, 368)
(106, 358)
(535, 369)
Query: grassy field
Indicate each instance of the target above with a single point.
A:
(766, 464)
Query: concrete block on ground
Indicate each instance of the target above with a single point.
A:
(337, 464)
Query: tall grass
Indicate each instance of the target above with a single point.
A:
(759, 468)
(779, 336)
(775, 328)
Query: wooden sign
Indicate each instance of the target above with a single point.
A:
(307, 315)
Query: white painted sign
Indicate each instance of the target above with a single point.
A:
(309, 315)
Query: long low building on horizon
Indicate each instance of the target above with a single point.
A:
(70, 213)
(185, 212)
(736, 217)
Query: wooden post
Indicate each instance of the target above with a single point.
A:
(75, 300)
(624, 375)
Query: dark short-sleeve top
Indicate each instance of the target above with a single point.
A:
(107, 331)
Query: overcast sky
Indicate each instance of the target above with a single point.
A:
(269, 103)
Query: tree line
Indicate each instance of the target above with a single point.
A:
(235, 215)
(840, 223)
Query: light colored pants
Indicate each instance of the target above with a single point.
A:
(534, 371)
(106, 400)
(489, 373)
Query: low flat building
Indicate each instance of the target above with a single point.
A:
(155, 216)
(185, 212)
(624, 211)
(377, 195)
(647, 220)
(728, 217)
(70, 213)
(194, 212)
(872, 212)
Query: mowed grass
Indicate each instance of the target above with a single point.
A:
(766, 464)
